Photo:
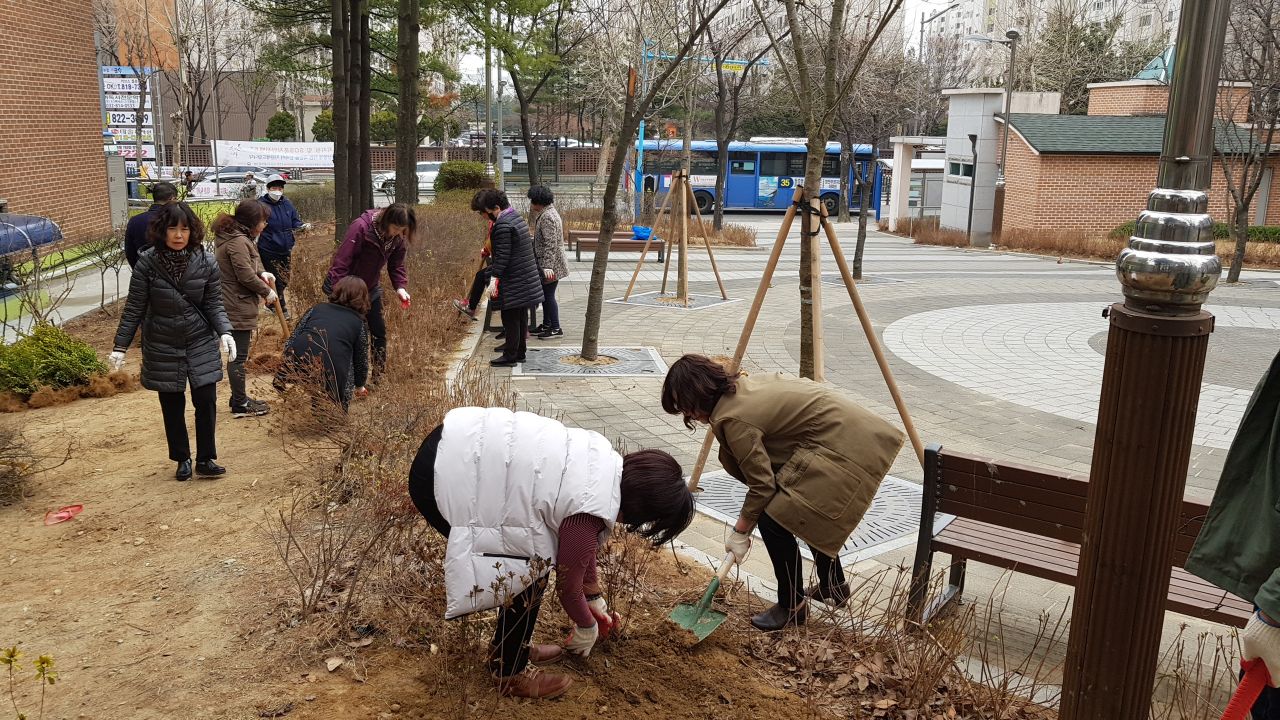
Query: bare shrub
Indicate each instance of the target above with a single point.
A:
(1064, 243)
(16, 464)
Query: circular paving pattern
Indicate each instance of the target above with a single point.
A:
(1038, 355)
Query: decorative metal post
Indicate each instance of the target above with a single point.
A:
(1150, 389)
(997, 214)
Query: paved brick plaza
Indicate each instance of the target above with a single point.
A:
(997, 354)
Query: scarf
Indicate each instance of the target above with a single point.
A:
(174, 262)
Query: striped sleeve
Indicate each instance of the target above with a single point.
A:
(579, 542)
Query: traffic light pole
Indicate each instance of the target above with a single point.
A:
(1150, 389)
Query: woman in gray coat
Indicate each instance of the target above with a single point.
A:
(548, 248)
(515, 271)
(176, 297)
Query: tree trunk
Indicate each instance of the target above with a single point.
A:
(526, 134)
(341, 14)
(864, 205)
(608, 221)
(810, 322)
(722, 171)
(844, 182)
(408, 27)
(1240, 234)
(602, 163)
(365, 169)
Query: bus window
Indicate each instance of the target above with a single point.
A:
(702, 163)
(831, 166)
(742, 163)
(782, 164)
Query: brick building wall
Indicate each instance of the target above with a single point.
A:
(51, 159)
(1147, 97)
(1095, 194)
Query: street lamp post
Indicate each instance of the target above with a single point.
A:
(973, 185)
(920, 53)
(1156, 348)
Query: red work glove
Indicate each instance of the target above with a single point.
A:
(606, 619)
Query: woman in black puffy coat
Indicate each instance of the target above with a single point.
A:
(175, 296)
(515, 268)
(332, 338)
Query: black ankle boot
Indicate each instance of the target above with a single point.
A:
(184, 470)
(778, 617)
(209, 468)
(836, 596)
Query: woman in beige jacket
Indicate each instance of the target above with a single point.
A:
(245, 285)
(811, 458)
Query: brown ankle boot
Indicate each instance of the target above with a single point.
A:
(533, 683)
(545, 654)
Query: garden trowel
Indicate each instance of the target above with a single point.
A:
(700, 619)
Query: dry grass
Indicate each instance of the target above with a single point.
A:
(927, 232)
(99, 386)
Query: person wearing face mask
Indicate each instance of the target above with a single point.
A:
(175, 296)
(275, 244)
(376, 239)
(245, 284)
(515, 266)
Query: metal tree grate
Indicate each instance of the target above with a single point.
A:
(836, 279)
(654, 299)
(552, 362)
(891, 522)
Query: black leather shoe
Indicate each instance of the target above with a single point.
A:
(209, 468)
(500, 348)
(504, 362)
(837, 596)
(501, 334)
(778, 617)
(184, 470)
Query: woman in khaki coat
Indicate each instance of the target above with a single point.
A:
(811, 458)
(244, 286)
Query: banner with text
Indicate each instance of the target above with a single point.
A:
(275, 154)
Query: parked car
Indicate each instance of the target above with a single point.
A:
(386, 182)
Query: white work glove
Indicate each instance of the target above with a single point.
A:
(272, 297)
(492, 290)
(404, 295)
(229, 347)
(268, 278)
(581, 640)
(605, 620)
(305, 227)
(1260, 640)
(739, 544)
(548, 275)
(116, 359)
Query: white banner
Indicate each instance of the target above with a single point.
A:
(703, 180)
(127, 119)
(131, 151)
(127, 102)
(275, 154)
(120, 85)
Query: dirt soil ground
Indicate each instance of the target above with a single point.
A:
(167, 600)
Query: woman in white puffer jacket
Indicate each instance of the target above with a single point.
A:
(519, 493)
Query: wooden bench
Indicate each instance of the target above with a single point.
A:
(580, 240)
(1030, 521)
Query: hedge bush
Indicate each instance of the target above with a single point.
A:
(461, 175)
(1221, 231)
(314, 203)
(47, 357)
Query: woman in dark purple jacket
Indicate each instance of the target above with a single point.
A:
(376, 239)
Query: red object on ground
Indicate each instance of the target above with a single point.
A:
(1246, 694)
(404, 304)
(62, 514)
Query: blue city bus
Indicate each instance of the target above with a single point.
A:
(761, 174)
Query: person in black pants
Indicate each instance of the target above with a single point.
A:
(175, 296)
(515, 270)
(788, 566)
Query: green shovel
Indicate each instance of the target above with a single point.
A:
(700, 619)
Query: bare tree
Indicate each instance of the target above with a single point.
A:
(683, 36)
(124, 33)
(730, 82)
(252, 80)
(820, 62)
(1245, 148)
(201, 31)
(871, 115)
(107, 255)
(408, 29)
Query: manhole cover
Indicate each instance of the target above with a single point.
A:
(836, 279)
(554, 362)
(658, 299)
(892, 521)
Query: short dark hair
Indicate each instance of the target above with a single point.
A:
(168, 216)
(489, 198)
(696, 383)
(351, 292)
(397, 214)
(163, 192)
(247, 214)
(656, 503)
(541, 195)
